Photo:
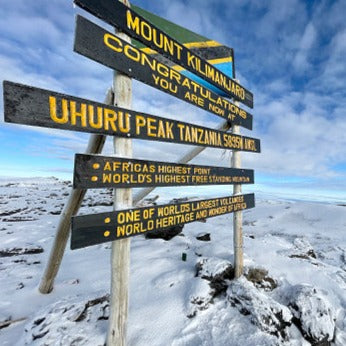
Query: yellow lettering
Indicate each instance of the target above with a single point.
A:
(231, 141)
(107, 37)
(163, 70)
(175, 75)
(106, 178)
(151, 127)
(110, 118)
(99, 122)
(169, 46)
(181, 131)
(140, 122)
(194, 135)
(52, 111)
(216, 110)
(132, 24)
(75, 114)
(150, 62)
(186, 83)
(132, 53)
(161, 130)
(146, 31)
(190, 58)
(179, 49)
(124, 122)
(169, 130)
(107, 166)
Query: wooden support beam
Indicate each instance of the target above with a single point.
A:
(95, 146)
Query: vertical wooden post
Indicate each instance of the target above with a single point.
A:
(238, 215)
(95, 145)
(120, 255)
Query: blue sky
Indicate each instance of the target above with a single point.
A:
(290, 54)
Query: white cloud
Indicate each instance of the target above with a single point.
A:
(301, 60)
(334, 73)
(303, 142)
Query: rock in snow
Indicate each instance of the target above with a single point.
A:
(302, 249)
(266, 313)
(203, 236)
(259, 277)
(69, 322)
(217, 271)
(215, 274)
(210, 268)
(313, 314)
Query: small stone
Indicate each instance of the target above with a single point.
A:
(203, 237)
(20, 286)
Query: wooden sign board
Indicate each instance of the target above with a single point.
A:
(216, 53)
(94, 171)
(100, 228)
(38, 107)
(100, 45)
(133, 24)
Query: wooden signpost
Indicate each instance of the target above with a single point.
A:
(130, 22)
(38, 107)
(100, 45)
(94, 171)
(120, 251)
(104, 227)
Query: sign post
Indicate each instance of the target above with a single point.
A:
(237, 216)
(120, 254)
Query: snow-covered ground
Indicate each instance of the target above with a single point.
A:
(294, 291)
